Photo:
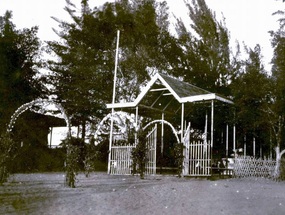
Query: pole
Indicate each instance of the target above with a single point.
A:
(50, 142)
(227, 141)
(137, 121)
(212, 123)
(234, 138)
(253, 146)
(162, 133)
(182, 122)
(113, 101)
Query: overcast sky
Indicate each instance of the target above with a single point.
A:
(247, 20)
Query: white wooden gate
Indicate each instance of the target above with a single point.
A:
(197, 156)
(151, 140)
(121, 160)
(186, 142)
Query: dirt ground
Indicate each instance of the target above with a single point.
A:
(45, 193)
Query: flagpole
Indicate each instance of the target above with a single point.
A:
(113, 101)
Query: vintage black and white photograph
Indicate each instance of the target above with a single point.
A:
(135, 107)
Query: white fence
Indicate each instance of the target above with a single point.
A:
(199, 158)
(121, 160)
(246, 166)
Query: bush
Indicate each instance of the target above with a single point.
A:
(139, 155)
(179, 157)
(282, 169)
(74, 158)
(7, 153)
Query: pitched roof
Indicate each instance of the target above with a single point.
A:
(183, 92)
(183, 89)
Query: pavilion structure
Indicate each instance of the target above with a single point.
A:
(165, 98)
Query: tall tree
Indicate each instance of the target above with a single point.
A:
(206, 53)
(19, 63)
(277, 110)
(83, 76)
(252, 92)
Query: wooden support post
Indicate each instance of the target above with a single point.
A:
(253, 146)
(50, 142)
(206, 129)
(113, 100)
(182, 121)
(110, 142)
(212, 123)
(227, 141)
(162, 133)
(212, 133)
(137, 121)
(244, 146)
(234, 138)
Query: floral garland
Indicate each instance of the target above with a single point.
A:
(120, 118)
(43, 103)
(175, 132)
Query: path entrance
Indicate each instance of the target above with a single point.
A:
(121, 156)
(197, 155)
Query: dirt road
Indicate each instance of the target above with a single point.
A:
(106, 194)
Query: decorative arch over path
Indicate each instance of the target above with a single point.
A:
(40, 102)
(165, 122)
(118, 117)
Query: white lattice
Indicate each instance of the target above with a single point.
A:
(246, 166)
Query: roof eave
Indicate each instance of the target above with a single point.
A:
(205, 97)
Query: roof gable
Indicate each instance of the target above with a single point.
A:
(182, 92)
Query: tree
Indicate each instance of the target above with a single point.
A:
(19, 52)
(19, 64)
(277, 110)
(205, 59)
(252, 92)
(83, 76)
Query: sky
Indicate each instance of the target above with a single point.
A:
(248, 21)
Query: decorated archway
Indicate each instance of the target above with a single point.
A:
(38, 102)
(121, 120)
(164, 122)
(169, 98)
(8, 143)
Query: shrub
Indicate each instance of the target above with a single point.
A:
(73, 159)
(179, 157)
(7, 153)
(282, 169)
(139, 155)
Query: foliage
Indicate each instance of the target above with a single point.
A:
(205, 54)
(38, 158)
(277, 111)
(96, 158)
(74, 160)
(87, 51)
(282, 170)
(7, 154)
(251, 99)
(139, 155)
(19, 63)
(179, 157)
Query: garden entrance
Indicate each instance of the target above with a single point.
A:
(121, 156)
(167, 99)
(197, 155)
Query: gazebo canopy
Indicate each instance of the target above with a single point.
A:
(166, 94)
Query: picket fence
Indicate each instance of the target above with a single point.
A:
(121, 160)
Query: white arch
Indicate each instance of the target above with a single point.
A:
(42, 102)
(165, 122)
(118, 117)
